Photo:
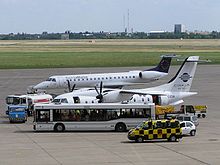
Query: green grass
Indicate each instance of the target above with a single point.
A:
(102, 53)
(100, 59)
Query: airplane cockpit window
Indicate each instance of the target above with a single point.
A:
(64, 100)
(51, 79)
(56, 101)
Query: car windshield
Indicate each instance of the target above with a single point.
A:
(140, 125)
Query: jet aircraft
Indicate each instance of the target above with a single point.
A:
(110, 80)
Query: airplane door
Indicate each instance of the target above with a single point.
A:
(76, 100)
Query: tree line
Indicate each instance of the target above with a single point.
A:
(107, 35)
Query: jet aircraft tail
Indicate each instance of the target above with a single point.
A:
(164, 64)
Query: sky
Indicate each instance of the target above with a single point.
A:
(37, 16)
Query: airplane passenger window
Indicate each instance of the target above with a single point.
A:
(78, 79)
(126, 76)
(94, 78)
(129, 76)
(110, 77)
(106, 78)
(90, 78)
(98, 78)
(133, 76)
(54, 80)
(122, 77)
(118, 77)
(102, 78)
(74, 80)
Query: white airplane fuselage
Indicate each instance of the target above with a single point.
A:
(108, 79)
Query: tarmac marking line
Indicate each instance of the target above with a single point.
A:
(37, 144)
(185, 155)
(130, 162)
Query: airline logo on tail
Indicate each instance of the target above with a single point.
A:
(185, 77)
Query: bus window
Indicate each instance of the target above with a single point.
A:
(23, 100)
(43, 116)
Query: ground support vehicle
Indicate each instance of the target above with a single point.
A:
(188, 128)
(156, 129)
(27, 100)
(198, 110)
(162, 112)
(87, 117)
(17, 113)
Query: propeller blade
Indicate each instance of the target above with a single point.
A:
(101, 87)
(68, 83)
(73, 87)
(96, 90)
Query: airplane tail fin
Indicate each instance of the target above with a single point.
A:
(164, 64)
(182, 81)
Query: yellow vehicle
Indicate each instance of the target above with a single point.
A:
(156, 129)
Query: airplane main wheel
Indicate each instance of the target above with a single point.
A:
(59, 127)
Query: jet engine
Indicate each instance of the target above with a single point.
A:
(149, 75)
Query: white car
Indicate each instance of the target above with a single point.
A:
(188, 128)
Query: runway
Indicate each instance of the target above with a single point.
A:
(21, 145)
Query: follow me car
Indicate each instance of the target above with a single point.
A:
(156, 129)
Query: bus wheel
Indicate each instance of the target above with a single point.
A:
(198, 115)
(59, 127)
(203, 115)
(120, 127)
(172, 138)
(139, 139)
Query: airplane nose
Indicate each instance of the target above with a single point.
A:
(42, 85)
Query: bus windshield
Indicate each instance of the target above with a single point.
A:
(13, 100)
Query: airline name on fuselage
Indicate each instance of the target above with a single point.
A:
(77, 77)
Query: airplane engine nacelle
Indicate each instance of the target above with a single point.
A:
(149, 75)
(141, 99)
(112, 97)
(163, 100)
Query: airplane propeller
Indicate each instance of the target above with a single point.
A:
(69, 86)
(100, 95)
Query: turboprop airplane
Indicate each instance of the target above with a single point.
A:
(110, 80)
(171, 93)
